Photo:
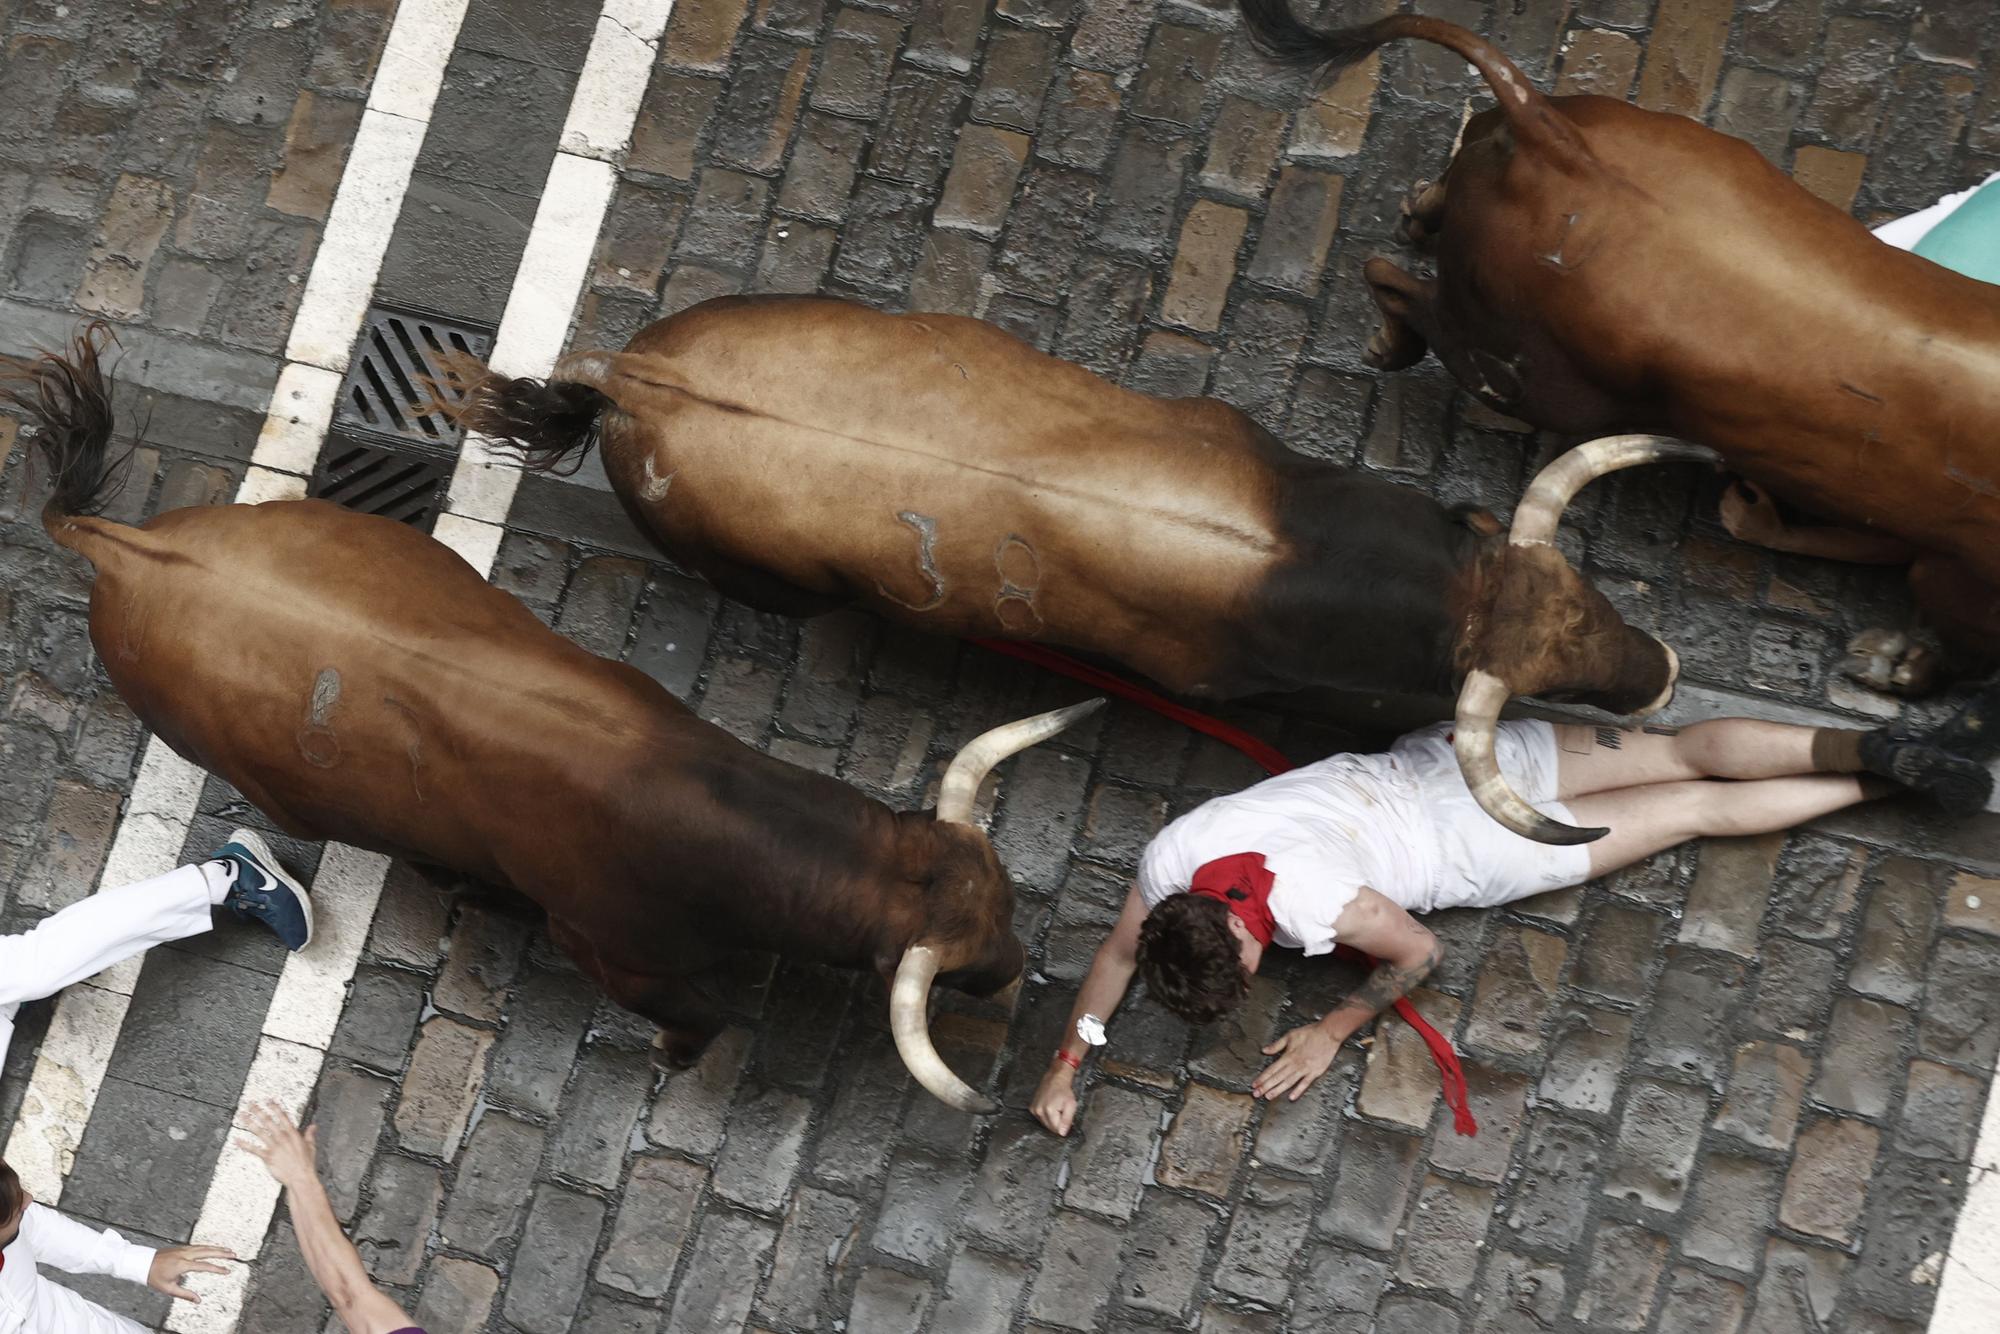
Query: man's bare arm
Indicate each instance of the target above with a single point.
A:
(1104, 987)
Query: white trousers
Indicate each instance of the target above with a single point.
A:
(86, 938)
(1904, 232)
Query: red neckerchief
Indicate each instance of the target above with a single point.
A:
(1241, 883)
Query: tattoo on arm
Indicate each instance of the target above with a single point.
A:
(1610, 738)
(1389, 983)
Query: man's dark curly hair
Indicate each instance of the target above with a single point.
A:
(11, 1195)
(1190, 961)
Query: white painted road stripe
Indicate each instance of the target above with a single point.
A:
(1969, 1288)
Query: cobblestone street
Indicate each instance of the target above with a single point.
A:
(1737, 1088)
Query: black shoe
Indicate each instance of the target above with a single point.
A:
(1960, 783)
(264, 892)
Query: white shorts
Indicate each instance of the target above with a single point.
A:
(1479, 863)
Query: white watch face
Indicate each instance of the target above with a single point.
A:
(1091, 1029)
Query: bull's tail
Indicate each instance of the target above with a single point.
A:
(1277, 32)
(66, 398)
(545, 424)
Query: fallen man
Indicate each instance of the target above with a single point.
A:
(1349, 848)
(107, 928)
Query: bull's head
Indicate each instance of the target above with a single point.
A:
(968, 931)
(1542, 629)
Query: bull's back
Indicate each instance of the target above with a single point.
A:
(1857, 379)
(355, 678)
(946, 474)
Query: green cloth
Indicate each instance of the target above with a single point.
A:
(1969, 239)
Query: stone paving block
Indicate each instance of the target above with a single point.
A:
(858, 1134)
(1372, 1188)
(409, 926)
(1165, 1252)
(1146, 173)
(483, 963)
(1701, 1303)
(1298, 230)
(1896, 931)
(441, 1087)
(1732, 1209)
(1819, 881)
(1401, 1083)
(77, 836)
(1765, 1089)
(283, 1294)
(1498, 1101)
(1906, 1231)
(403, 1200)
(1625, 1265)
(1266, 1229)
(1011, 1198)
(1175, 74)
(1940, 1113)
(920, 1209)
(1732, 883)
(1684, 55)
(760, 103)
(1204, 266)
(1447, 1234)
(492, 1186)
(797, 1043)
(1559, 1170)
(980, 1294)
(712, 1294)
(913, 143)
(1298, 1136)
(348, 1115)
(1074, 1280)
(458, 1296)
(1973, 903)
(1516, 987)
(193, 1028)
(1519, 1295)
(149, 1158)
(594, 1132)
(1858, 1073)
(818, 1235)
(892, 1302)
(1820, 1196)
(1960, 1002)
(1400, 1314)
(1657, 1138)
(1264, 342)
(1798, 1290)
(1794, 983)
(1205, 1141)
(1120, 1134)
(1688, 1029)
(764, 1141)
(1231, 1050)
(1015, 79)
(700, 33)
(1079, 126)
(690, 1111)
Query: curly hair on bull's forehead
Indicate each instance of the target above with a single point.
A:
(1190, 961)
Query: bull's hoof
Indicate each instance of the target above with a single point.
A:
(674, 1052)
(1891, 662)
(1417, 225)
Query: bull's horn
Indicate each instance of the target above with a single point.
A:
(1479, 704)
(909, 1020)
(1541, 509)
(969, 769)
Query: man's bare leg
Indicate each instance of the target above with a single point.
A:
(1650, 819)
(1601, 759)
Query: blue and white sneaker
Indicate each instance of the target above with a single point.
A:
(264, 892)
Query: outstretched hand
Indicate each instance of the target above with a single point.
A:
(172, 1266)
(288, 1155)
(1304, 1054)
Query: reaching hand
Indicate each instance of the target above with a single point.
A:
(1055, 1099)
(288, 1155)
(1308, 1051)
(172, 1265)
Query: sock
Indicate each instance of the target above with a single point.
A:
(1837, 750)
(221, 877)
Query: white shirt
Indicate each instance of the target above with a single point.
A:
(31, 1304)
(1325, 831)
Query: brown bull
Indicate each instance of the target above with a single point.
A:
(807, 454)
(357, 681)
(1605, 268)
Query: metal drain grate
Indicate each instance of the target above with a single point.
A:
(375, 477)
(385, 392)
